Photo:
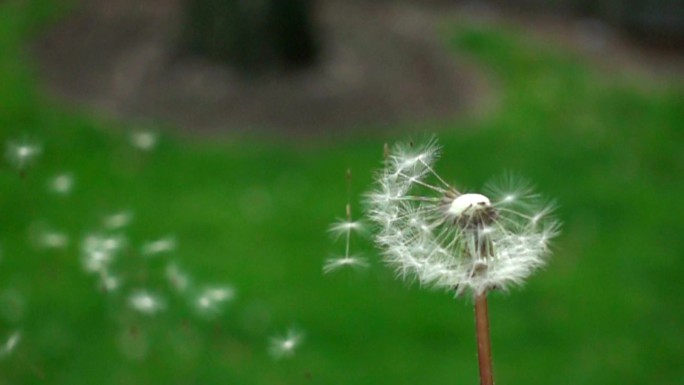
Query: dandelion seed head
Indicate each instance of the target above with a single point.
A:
(467, 203)
(431, 232)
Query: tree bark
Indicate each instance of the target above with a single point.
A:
(252, 34)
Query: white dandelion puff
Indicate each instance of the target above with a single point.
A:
(22, 154)
(144, 140)
(145, 302)
(432, 232)
(61, 184)
(159, 246)
(284, 346)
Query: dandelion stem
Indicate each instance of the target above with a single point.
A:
(484, 349)
(348, 235)
(348, 212)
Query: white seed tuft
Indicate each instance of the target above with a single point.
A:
(284, 346)
(22, 154)
(177, 278)
(118, 220)
(159, 246)
(61, 184)
(333, 264)
(210, 300)
(145, 302)
(10, 344)
(144, 140)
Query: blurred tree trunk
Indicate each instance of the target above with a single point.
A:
(253, 35)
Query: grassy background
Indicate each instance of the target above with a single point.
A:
(254, 214)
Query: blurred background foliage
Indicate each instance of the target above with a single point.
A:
(659, 22)
(253, 212)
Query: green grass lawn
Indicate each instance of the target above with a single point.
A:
(606, 310)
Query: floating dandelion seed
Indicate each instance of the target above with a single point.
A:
(109, 282)
(159, 246)
(177, 278)
(345, 228)
(332, 264)
(10, 344)
(285, 346)
(53, 240)
(118, 220)
(99, 251)
(61, 184)
(209, 301)
(45, 237)
(147, 303)
(22, 154)
(465, 242)
(144, 140)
